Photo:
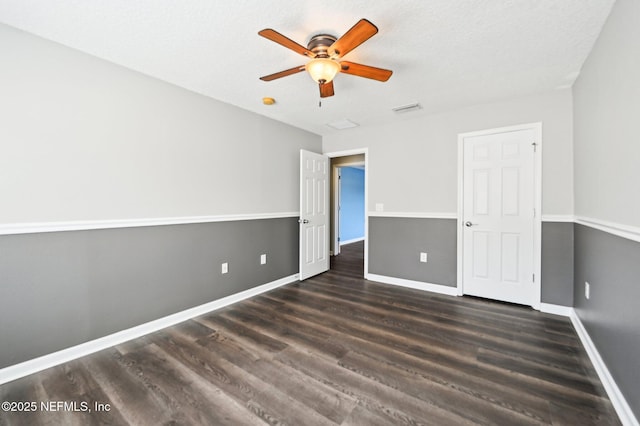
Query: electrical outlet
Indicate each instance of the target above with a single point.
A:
(423, 257)
(224, 268)
(587, 290)
(263, 259)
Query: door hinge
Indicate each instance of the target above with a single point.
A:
(534, 212)
(534, 278)
(535, 146)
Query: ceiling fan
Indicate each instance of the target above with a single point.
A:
(326, 52)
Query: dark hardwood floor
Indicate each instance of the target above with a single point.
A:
(335, 349)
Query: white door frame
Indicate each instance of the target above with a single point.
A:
(335, 210)
(357, 151)
(537, 228)
(336, 205)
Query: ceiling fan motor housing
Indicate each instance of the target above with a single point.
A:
(319, 45)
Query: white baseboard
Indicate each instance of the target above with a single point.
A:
(354, 240)
(419, 285)
(548, 308)
(615, 395)
(17, 371)
(613, 392)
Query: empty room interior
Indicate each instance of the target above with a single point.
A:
(352, 213)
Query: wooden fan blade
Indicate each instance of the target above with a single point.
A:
(365, 71)
(362, 31)
(282, 73)
(286, 42)
(326, 89)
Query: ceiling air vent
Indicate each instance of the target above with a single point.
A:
(407, 108)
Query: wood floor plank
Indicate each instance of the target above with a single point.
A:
(244, 388)
(238, 379)
(455, 377)
(26, 389)
(442, 312)
(521, 403)
(198, 399)
(355, 344)
(193, 330)
(603, 415)
(524, 345)
(554, 375)
(291, 330)
(361, 416)
(367, 328)
(450, 358)
(377, 397)
(73, 383)
(219, 321)
(335, 350)
(324, 400)
(440, 395)
(211, 367)
(127, 392)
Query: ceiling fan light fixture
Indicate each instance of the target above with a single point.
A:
(326, 52)
(322, 70)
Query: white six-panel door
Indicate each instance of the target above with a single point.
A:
(314, 214)
(498, 216)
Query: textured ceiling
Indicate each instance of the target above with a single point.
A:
(445, 54)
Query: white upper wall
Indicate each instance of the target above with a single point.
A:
(607, 109)
(84, 139)
(413, 163)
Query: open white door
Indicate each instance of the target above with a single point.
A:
(498, 220)
(314, 214)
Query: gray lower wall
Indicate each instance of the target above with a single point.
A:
(557, 263)
(395, 244)
(61, 289)
(611, 316)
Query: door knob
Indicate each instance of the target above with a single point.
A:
(468, 224)
(303, 221)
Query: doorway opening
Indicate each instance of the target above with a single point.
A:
(348, 218)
